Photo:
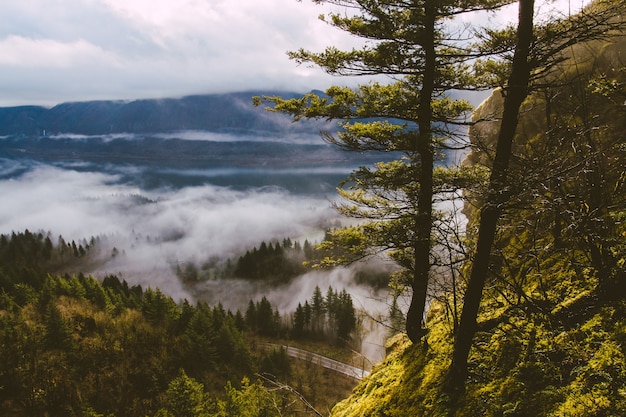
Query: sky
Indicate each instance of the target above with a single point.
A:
(53, 51)
(62, 50)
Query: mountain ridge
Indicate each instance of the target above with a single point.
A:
(221, 113)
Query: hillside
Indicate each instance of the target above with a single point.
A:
(79, 346)
(552, 326)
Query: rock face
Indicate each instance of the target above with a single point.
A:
(584, 64)
(484, 132)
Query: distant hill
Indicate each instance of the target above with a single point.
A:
(222, 113)
(204, 133)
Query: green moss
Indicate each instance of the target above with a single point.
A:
(407, 382)
(523, 367)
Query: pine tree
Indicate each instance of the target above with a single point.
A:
(318, 311)
(414, 116)
(251, 316)
(58, 332)
(346, 318)
(186, 397)
(298, 321)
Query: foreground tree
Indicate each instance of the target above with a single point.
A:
(415, 117)
(538, 50)
(517, 89)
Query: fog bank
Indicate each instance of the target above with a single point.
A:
(155, 229)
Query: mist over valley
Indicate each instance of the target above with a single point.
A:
(160, 201)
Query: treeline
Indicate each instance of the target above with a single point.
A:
(274, 262)
(331, 317)
(28, 257)
(277, 263)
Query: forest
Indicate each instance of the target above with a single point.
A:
(75, 345)
(279, 262)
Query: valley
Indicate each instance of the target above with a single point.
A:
(158, 202)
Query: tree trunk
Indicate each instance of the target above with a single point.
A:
(423, 218)
(515, 93)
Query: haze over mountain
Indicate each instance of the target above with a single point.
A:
(221, 139)
(222, 113)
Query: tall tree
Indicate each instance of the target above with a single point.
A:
(186, 397)
(538, 50)
(414, 116)
(515, 93)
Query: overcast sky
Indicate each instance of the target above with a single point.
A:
(53, 51)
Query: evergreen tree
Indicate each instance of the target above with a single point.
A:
(251, 316)
(332, 306)
(157, 307)
(308, 314)
(318, 311)
(200, 340)
(346, 319)
(252, 400)
(186, 397)
(414, 116)
(267, 323)
(298, 321)
(58, 332)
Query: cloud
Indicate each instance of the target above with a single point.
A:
(301, 138)
(154, 231)
(199, 135)
(110, 49)
(52, 52)
(19, 51)
(210, 219)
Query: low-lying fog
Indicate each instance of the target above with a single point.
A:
(160, 228)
